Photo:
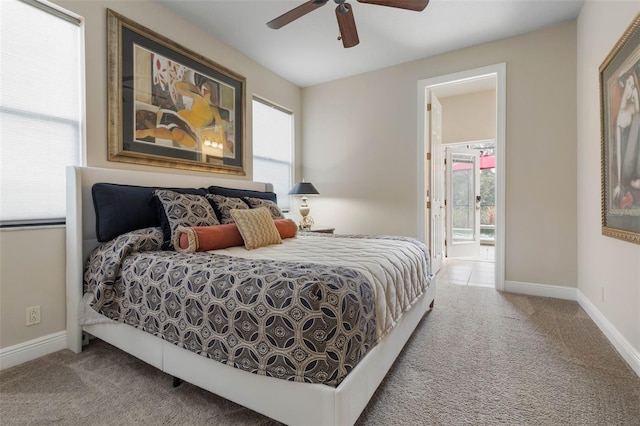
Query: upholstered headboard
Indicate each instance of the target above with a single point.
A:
(81, 220)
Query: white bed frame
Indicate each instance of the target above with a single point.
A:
(288, 402)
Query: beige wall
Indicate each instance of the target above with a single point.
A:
(32, 268)
(32, 263)
(469, 117)
(605, 265)
(360, 147)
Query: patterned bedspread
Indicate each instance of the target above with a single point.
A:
(311, 319)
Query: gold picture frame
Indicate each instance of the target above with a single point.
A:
(620, 137)
(169, 106)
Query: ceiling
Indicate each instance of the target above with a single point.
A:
(307, 51)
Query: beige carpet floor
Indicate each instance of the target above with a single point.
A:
(480, 358)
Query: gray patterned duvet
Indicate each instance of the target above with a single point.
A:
(310, 321)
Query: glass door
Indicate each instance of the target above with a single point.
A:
(463, 202)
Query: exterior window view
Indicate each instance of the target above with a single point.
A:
(464, 199)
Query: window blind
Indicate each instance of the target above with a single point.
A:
(273, 148)
(41, 109)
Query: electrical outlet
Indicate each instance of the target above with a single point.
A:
(33, 315)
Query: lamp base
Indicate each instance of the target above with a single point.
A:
(306, 223)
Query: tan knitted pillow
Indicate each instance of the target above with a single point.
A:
(256, 227)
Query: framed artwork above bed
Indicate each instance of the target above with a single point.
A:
(169, 106)
(620, 138)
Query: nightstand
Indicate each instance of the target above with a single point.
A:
(320, 229)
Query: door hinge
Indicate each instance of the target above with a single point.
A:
(428, 156)
(428, 204)
(428, 107)
(445, 202)
(445, 161)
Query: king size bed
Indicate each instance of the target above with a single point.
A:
(302, 329)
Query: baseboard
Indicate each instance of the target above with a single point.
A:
(27, 351)
(542, 290)
(622, 345)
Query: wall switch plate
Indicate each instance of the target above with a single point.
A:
(33, 315)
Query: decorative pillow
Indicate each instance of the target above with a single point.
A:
(204, 238)
(121, 209)
(183, 210)
(124, 208)
(241, 193)
(287, 228)
(256, 227)
(223, 205)
(275, 211)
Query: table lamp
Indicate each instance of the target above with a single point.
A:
(304, 188)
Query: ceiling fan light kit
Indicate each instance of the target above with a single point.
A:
(344, 15)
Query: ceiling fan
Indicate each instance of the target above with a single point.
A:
(344, 13)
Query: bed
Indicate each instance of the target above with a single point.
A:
(336, 398)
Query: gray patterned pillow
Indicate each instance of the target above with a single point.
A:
(184, 210)
(224, 205)
(275, 211)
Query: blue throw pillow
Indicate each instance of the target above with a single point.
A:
(124, 208)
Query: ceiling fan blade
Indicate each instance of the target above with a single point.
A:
(417, 5)
(295, 13)
(347, 25)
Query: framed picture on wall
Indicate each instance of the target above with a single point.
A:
(620, 137)
(169, 106)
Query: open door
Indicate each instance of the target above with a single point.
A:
(431, 226)
(463, 202)
(436, 199)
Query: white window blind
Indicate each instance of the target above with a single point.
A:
(41, 109)
(273, 148)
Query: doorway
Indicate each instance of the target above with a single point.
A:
(470, 217)
(431, 185)
(470, 182)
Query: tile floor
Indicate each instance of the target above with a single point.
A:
(477, 271)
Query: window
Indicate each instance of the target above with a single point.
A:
(41, 109)
(273, 148)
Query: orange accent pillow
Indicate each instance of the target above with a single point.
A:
(204, 238)
(286, 227)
